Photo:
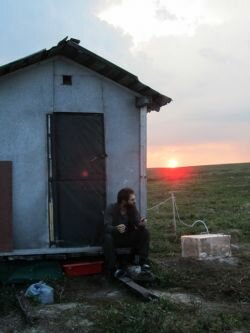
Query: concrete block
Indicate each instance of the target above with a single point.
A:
(206, 245)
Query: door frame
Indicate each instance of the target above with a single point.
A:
(51, 160)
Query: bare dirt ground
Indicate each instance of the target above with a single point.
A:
(76, 300)
(213, 286)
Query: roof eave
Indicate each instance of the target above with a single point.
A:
(77, 53)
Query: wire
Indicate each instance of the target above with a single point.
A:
(175, 209)
(160, 204)
(188, 225)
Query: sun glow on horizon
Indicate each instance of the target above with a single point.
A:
(172, 163)
(197, 154)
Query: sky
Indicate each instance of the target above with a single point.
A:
(197, 52)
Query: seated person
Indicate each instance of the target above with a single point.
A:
(125, 228)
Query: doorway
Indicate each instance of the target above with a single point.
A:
(77, 179)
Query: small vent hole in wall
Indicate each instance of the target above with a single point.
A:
(67, 80)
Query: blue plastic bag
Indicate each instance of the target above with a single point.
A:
(40, 292)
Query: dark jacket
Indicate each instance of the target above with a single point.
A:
(113, 217)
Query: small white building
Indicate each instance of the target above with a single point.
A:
(72, 134)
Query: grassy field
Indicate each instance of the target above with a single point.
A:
(220, 195)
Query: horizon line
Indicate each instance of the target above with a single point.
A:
(197, 165)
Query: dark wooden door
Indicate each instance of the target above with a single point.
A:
(6, 237)
(78, 178)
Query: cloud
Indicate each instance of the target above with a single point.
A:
(33, 25)
(145, 19)
(196, 52)
(207, 75)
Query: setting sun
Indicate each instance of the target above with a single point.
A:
(172, 163)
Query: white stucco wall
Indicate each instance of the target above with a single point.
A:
(26, 96)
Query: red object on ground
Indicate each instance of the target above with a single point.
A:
(83, 268)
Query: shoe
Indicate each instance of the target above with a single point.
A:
(119, 273)
(146, 276)
(145, 268)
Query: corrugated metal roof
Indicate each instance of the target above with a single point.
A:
(72, 50)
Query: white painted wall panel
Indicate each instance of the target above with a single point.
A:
(25, 98)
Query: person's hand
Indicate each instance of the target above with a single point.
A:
(121, 228)
(142, 223)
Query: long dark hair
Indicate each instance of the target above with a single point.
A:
(124, 194)
(133, 214)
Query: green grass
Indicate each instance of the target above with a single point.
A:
(162, 316)
(219, 195)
